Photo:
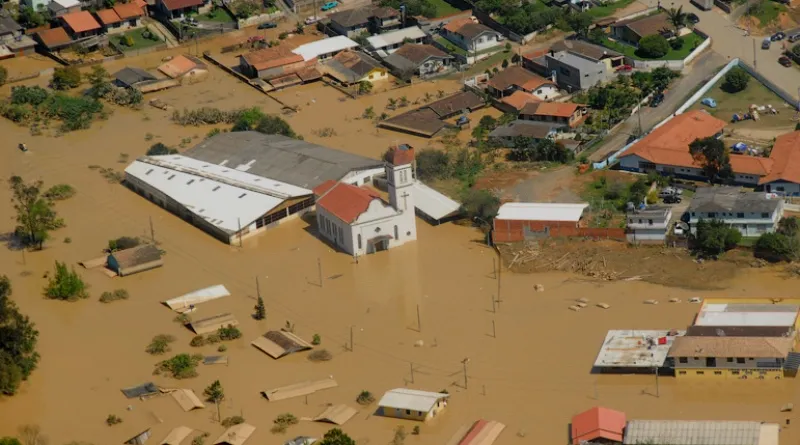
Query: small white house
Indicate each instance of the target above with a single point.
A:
(412, 404)
(752, 213)
(472, 36)
(648, 226)
(358, 221)
(385, 44)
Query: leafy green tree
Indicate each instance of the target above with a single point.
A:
(364, 87)
(661, 77)
(597, 36)
(30, 18)
(214, 392)
(777, 247)
(66, 284)
(432, 164)
(261, 310)
(736, 80)
(653, 46)
(336, 436)
(580, 23)
(714, 157)
(677, 18)
(36, 216)
(100, 82)
(488, 122)
(158, 149)
(18, 337)
(424, 8)
(529, 149)
(65, 78)
(480, 205)
(9, 440)
(789, 226)
(714, 237)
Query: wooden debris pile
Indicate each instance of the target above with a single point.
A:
(585, 262)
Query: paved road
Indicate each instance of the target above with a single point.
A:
(702, 69)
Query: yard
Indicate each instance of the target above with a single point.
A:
(450, 46)
(690, 42)
(443, 8)
(138, 38)
(755, 93)
(766, 12)
(218, 15)
(609, 8)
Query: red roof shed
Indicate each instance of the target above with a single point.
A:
(598, 422)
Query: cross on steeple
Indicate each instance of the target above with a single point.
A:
(404, 196)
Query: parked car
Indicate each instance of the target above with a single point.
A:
(693, 18)
(794, 37)
(330, 5)
(780, 35)
(785, 61)
(672, 199)
(657, 99)
(766, 43)
(268, 25)
(624, 68)
(311, 20)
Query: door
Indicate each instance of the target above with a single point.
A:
(382, 245)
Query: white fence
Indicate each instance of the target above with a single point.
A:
(258, 19)
(677, 65)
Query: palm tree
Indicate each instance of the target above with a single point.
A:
(677, 18)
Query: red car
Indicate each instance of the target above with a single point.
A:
(624, 68)
(785, 61)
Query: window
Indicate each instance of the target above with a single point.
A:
(740, 360)
(740, 215)
(701, 373)
(564, 71)
(396, 233)
(750, 358)
(712, 215)
(640, 221)
(682, 372)
(683, 360)
(408, 411)
(359, 241)
(765, 215)
(650, 221)
(734, 372)
(717, 372)
(730, 359)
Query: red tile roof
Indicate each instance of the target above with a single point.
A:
(54, 37)
(598, 422)
(173, 5)
(455, 25)
(267, 58)
(80, 21)
(140, 3)
(344, 201)
(127, 11)
(669, 143)
(785, 158)
(518, 99)
(560, 109)
(402, 155)
(108, 16)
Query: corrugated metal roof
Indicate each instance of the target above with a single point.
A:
(539, 211)
(693, 432)
(432, 203)
(745, 318)
(298, 389)
(324, 46)
(411, 399)
(177, 435)
(211, 325)
(187, 399)
(236, 435)
(395, 37)
(196, 297)
(336, 414)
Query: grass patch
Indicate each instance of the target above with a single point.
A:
(443, 8)
(607, 10)
(749, 241)
(218, 15)
(755, 93)
(139, 41)
(488, 63)
(450, 46)
(766, 12)
(690, 42)
(119, 294)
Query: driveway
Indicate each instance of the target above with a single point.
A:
(703, 68)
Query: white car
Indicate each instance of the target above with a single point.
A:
(311, 20)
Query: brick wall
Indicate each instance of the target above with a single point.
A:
(506, 231)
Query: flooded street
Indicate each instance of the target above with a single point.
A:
(532, 376)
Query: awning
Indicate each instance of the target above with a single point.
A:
(379, 238)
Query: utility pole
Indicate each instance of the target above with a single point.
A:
(419, 321)
(494, 267)
(239, 221)
(494, 330)
(351, 338)
(152, 232)
(658, 391)
(464, 362)
(755, 62)
(319, 270)
(494, 311)
(412, 372)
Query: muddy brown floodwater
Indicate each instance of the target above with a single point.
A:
(533, 376)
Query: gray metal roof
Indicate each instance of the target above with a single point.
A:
(273, 156)
(523, 128)
(8, 25)
(130, 76)
(575, 60)
(731, 200)
(693, 432)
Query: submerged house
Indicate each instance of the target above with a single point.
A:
(412, 404)
(136, 259)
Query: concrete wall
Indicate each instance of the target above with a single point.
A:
(258, 19)
(382, 221)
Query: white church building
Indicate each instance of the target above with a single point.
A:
(358, 221)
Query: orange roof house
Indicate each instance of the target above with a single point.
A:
(598, 423)
(80, 22)
(564, 113)
(270, 63)
(128, 11)
(108, 17)
(54, 38)
(785, 158)
(345, 201)
(181, 65)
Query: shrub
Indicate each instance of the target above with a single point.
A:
(3, 75)
(714, 237)
(676, 43)
(365, 398)
(65, 78)
(59, 192)
(316, 340)
(200, 440)
(283, 422)
(432, 164)
(66, 285)
(222, 348)
(67, 240)
(365, 87)
(481, 205)
(653, 46)
(160, 344)
(213, 339)
(415, 431)
(112, 420)
(118, 294)
(369, 113)
(23, 95)
(181, 366)
(229, 332)
(261, 310)
(321, 355)
(283, 35)
(777, 247)
(214, 392)
(122, 243)
(231, 421)
(197, 341)
(158, 149)
(183, 319)
(736, 80)
(336, 436)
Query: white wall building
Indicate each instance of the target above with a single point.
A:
(472, 36)
(649, 226)
(358, 221)
(752, 213)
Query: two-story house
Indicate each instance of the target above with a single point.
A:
(365, 20)
(575, 71)
(784, 175)
(730, 357)
(471, 36)
(648, 226)
(751, 213)
(517, 78)
(563, 114)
